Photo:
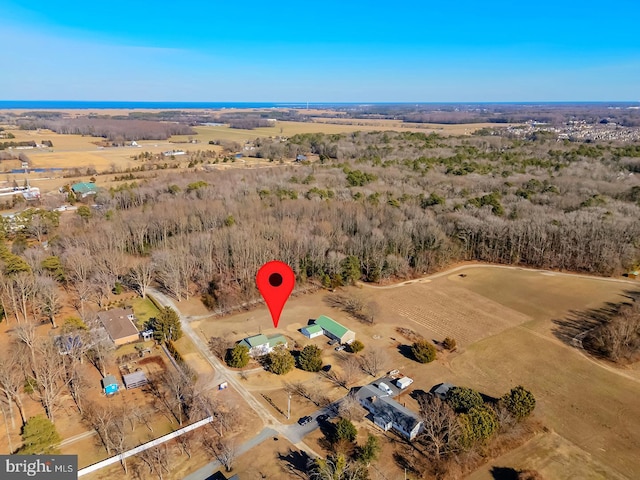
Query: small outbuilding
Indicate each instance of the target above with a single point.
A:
(441, 390)
(135, 380)
(312, 331)
(110, 385)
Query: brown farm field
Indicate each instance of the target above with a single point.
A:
(86, 154)
(328, 126)
(504, 321)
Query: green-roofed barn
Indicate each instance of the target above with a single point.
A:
(334, 330)
(259, 345)
(83, 189)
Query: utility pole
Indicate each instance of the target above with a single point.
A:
(289, 408)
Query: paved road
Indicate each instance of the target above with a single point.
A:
(212, 467)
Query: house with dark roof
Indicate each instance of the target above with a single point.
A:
(389, 414)
(335, 330)
(259, 345)
(119, 325)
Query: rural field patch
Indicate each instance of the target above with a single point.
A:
(451, 311)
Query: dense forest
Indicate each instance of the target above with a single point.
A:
(376, 207)
(107, 127)
(625, 114)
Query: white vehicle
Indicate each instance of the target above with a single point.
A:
(403, 382)
(385, 388)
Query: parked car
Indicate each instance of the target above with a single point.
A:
(340, 348)
(305, 420)
(323, 417)
(385, 388)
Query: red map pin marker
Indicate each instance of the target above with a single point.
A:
(275, 281)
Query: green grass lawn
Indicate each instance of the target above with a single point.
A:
(144, 309)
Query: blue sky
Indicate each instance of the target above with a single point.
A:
(330, 51)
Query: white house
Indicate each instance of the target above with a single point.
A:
(259, 345)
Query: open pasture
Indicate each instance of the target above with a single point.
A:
(321, 125)
(503, 320)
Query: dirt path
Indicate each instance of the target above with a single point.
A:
(433, 276)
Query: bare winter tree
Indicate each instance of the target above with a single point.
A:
(11, 382)
(157, 459)
(77, 262)
(350, 407)
(48, 298)
(49, 380)
(101, 349)
(219, 346)
(26, 336)
(102, 283)
(100, 417)
(441, 429)
(224, 450)
(350, 369)
(373, 361)
(141, 275)
(116, 434)
(24, 290)
(185, 442)
(180, 395)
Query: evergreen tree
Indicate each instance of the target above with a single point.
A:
(345, 430)
(280, 360)
(310, 359)
(238, 356)
(166, 325)
(423, 351)
(519, 402)
(463, 399)
(39, 435)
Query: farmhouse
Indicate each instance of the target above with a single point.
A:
(119, 325)
(312, 331)
(389, 414)
(259, 345)
(334, 330)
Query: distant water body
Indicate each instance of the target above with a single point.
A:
(111, 105)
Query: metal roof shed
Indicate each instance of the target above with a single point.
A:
(135, 380)
(110, 385)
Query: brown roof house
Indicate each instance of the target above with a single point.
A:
(119, 325)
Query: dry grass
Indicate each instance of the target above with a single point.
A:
(553, 457)
(502, 319)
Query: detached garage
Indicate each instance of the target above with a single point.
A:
(334, 330)
(312, 331)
